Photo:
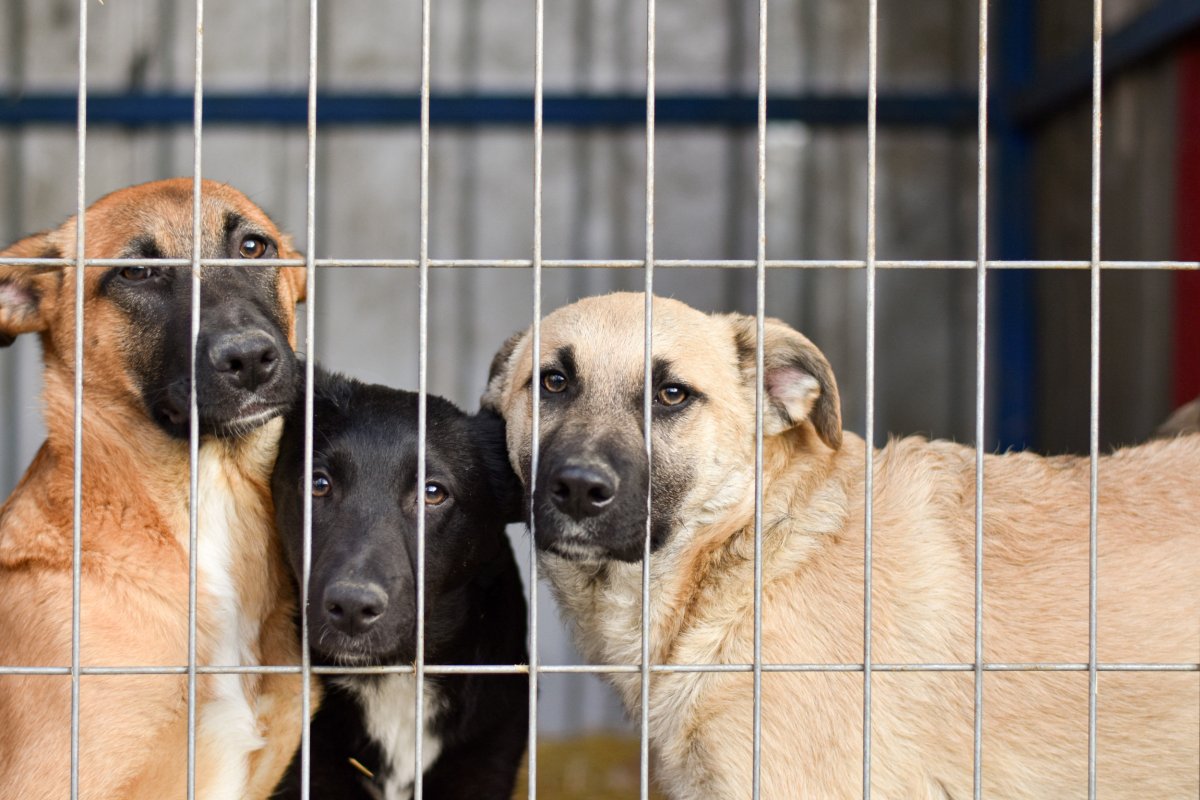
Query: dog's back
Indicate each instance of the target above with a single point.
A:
(1036, 572)
(1036, 600)
(362, 593)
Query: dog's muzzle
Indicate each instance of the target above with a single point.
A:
(243, 379)
(581, 490)
(590, 502)
(245, 360)
(354, 607)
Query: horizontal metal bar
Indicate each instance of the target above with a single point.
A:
(669, 263)
(588, 669)
(945, 109)
(156, 262)
(1070, 79)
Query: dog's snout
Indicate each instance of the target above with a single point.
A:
(247, 359)
(353, 608)
(582, 490)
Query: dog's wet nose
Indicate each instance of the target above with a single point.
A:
(352, 608)
(247, 360)
(581, 490)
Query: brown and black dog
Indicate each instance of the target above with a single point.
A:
(134, 505)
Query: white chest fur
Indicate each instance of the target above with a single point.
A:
(226, 722)
(389, 705)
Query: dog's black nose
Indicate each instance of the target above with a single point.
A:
(247, 360)
(352, 608)
(581, 490)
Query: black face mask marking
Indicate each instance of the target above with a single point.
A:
(246, 372)
(591, 489)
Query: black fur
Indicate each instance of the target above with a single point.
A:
(239, 305)
(572, 440)
(364, 528)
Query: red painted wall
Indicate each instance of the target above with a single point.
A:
(1187, 226)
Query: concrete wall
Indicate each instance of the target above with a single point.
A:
(481, 187)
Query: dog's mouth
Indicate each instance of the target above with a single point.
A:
(334, 648)
(174, 416)
(246, 420)
(593, 540)
(574, 550)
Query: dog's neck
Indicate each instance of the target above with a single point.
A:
(131, 470)
(712, 552)
(135, 528)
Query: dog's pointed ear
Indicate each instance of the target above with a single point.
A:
(489, 437)
(798, 380)
(499, 371)
(24, 288)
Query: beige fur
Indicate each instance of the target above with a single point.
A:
(134, 584)
(1035, 584)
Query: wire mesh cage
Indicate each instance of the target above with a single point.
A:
(622, 128)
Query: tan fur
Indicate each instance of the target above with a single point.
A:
(1035, 590)
(134, 506)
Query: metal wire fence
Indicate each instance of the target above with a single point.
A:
(761, 265)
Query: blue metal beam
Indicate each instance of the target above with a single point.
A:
(1150, 34)
(952, 110)
(1013, 313)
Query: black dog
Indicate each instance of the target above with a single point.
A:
(362, 596)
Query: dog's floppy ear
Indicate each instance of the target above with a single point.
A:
(487, 429)
(23, 289)
(799, 382)
(498, 372)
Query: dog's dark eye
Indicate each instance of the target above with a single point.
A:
(672, 395)
(321, 485)
(137, 274)
(435, 494)
(252, 246)
(554, 381)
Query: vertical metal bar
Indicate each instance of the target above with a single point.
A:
(539, 22)
(647, 396)
(310, 292)
(422, 389)
(869, 470)
(1094, 389)
(193, 411)
(77, 485)
(760, 306)
(981, 234)
(15, 46)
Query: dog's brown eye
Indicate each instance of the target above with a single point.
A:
(435, 494)
(136, 274)
(554, 381)
(671, 395)
(252, 247)
(321, 485)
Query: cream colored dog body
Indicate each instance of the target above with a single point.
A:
(1035, 583)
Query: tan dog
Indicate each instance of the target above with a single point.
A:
(134, 590)
(589, 510)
